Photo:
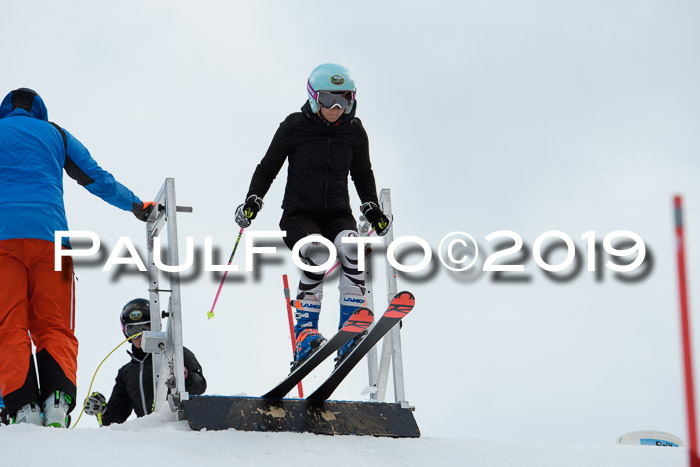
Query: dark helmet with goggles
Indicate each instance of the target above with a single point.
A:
(136, 317)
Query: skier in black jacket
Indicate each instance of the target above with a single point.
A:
(324, 143)
(133, 389)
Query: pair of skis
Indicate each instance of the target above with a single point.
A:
(400, 306)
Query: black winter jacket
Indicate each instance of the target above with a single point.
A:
(321, 155)
(133, 389)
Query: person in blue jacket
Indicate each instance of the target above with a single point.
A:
(36, 302)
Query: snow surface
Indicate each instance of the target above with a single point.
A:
(159, 439)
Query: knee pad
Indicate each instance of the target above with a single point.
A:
(314, 253)
(352, 281)
(347, 252)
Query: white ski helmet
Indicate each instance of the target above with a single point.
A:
(332, 78)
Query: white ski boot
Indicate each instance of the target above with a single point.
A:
(56, 409)
(30, 413)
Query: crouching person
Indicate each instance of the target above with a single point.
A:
(133, 389)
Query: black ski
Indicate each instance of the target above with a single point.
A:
(400, 306)
(360, 320)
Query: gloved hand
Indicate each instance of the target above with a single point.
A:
(248, 211)
(380, 221)
(143, 210)
(95, 404)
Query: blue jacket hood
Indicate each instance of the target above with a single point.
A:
(24, 99)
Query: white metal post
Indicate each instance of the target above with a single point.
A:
(166, 347)
(372, 368)
(175, 308)
(391, 349)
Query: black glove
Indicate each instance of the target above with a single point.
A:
(248, 211)
(95, 404)
(380, 221)
(143, 210)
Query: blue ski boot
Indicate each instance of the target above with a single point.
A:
(308, 339)
(348, 305)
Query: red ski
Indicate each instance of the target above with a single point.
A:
(360, 320)
(400, 306)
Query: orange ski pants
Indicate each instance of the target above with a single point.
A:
(37, 300)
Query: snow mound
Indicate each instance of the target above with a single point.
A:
(159, 439)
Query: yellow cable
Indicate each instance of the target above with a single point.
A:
(93, 378)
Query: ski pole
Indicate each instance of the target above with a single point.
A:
(291, 325)
(210, 313)
(685, 333)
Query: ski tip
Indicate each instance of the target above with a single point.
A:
(401, 305)
(406, 297)
(360, 320)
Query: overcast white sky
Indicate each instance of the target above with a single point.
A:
(482, 116)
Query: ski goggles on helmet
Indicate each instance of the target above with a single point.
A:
(330, 100)
(135, 328)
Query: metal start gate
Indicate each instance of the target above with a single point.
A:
(375, 418)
